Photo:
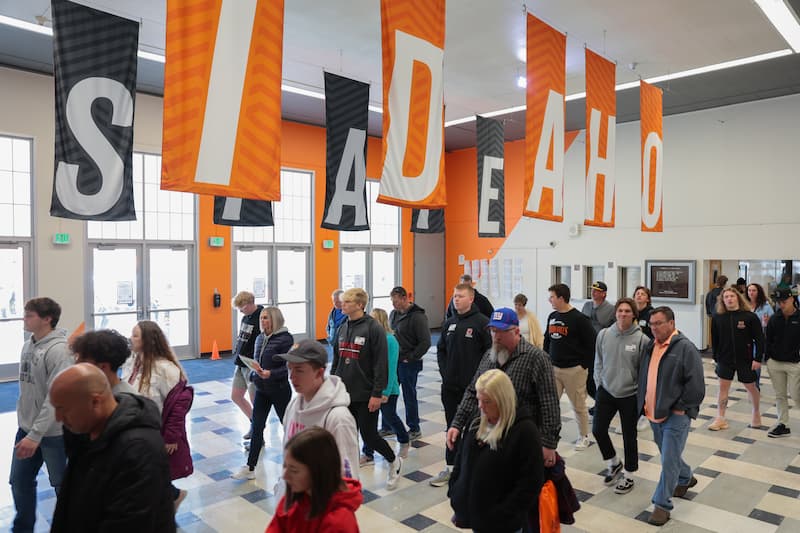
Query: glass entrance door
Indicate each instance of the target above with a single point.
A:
(292, 290)
(116, 288)
(252, 273)
(14, 292)
(168, 295)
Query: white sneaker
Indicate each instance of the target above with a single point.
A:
(403, 449)
(582, 443)
(643, 423)
(441, 479)
(394, 473)
(244, 473)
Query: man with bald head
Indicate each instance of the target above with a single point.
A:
(119, 479)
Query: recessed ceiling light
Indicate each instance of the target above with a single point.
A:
(783, 19)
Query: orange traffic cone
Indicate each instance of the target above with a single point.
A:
(215, 351)
(78, 331)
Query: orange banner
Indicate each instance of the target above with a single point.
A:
(544, 122)
(601, 119)
(413, 107)
(222, 98)
(651, 113)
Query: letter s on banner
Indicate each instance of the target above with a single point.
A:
(97, 146)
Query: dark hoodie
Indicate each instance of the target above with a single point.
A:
(120, 481)
(464, 340)
(492, 491)
(733, 334)
(361, 358)
(412, 333)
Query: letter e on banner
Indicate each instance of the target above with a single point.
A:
(601, 110)
(650, 103)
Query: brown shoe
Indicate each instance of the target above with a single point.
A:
(658, 517)
(681, 490)
(718, 424)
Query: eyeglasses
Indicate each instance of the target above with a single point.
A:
(657, 324)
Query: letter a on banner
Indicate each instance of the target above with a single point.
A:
(652, 157)
(346, 117)
(222, 98)
(491, 178)
(544, 122)
(601, 120)
(413, 107)
(94, 56)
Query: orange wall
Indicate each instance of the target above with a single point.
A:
(302, 148)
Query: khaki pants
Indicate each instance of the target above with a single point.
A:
(573, 381)
(785, 380)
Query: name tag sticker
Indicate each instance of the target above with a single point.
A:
(359, 340)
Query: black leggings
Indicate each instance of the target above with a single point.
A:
(606, 406)
(278, 398)
(367, 423)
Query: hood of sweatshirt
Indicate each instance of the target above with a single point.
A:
(57, 335)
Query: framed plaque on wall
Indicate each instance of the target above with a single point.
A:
(671, 281)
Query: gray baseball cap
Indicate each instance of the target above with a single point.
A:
(306, 351)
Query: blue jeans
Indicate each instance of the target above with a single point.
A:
(390, 420)
(23, 477)
(407, 374)
(670, 437)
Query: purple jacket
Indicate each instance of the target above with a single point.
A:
(173, 428)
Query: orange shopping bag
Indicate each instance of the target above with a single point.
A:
(548, 509)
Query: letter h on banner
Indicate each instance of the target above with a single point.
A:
(600, 142)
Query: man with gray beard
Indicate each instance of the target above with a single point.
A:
(530, 372)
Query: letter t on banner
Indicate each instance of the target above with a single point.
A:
(413, 107)
(601, 120)
(652, 157)
(544, 122)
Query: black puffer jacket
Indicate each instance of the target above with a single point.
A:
(120, 481)
(267, 347)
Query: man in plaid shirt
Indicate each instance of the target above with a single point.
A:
(530, 372)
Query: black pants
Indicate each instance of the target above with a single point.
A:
(606, 407)
(451, 398)
(262, 403)
(367, 423)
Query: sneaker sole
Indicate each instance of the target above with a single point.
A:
(778, 436)
(439, 483)
(623, 491)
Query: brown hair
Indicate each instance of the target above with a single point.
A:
(521, 299)
(631, 303)
(465, 287)
(154, 346)
(743, 305)
(761, 296)
(560, 290)
(45, 307)
(316, 448)
(646, 291)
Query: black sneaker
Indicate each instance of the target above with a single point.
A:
(779, 431)
(386, 433)
(414, 435)
(612, 473)
(624, 486)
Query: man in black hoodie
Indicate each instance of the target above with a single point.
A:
(483, 304)
(465, 338)
(411, 330)
(119, 479)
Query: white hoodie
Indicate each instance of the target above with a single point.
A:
(327, 409)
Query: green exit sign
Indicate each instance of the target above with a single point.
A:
(216, 242)
(61, 238)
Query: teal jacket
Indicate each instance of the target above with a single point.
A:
(392, 385)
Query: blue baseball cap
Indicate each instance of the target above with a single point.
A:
(503, 318)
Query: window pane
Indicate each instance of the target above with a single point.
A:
(291, 276)
(252, 274)
(22, 155)
(15, 186)
(354, 269)
(383, 273)
(5, 154)
(294, 316)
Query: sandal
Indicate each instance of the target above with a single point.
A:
(718, 424)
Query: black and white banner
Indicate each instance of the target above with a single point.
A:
(427, 220)
(241, 212)
(347, 113)
(491, 178)
(94, 56)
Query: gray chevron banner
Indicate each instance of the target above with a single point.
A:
(242, 212)
(491, 178)
(94, 57)
(346, 116)
(427, 220)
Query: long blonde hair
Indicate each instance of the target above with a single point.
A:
(382, 318)
(744, 305)
(497, 385)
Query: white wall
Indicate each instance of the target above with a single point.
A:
(27, 110)
(730, 191)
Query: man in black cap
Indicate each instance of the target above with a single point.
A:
(783, 358)
(599, 311)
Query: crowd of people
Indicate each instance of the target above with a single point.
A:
(107, 415)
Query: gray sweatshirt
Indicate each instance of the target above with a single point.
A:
(616, 365)
(41, 360)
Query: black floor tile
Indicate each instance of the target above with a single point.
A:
(764, 516)
(745, 440)
(784, 491)
(256, 496)
(706, 472)
(368, 496)
(417, 476)
(727, 455)
(418, 522)
(583, 495)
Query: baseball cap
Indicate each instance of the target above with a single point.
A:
(782, 294)
(306, 351)
(503, 318)
(600, 286)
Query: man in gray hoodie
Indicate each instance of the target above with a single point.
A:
(39, 437)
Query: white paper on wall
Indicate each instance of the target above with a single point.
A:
(508, 270)
(494, 278)
(517, 275)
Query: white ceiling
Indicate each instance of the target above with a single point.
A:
(483, 38)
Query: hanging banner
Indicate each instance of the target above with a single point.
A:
(427, 221)
(491, 177)
(601, 121)
(222, 98)
(240, 212)
(346, 117)
(412, 35)
(544, 122)
(94, 65)
(651, 112)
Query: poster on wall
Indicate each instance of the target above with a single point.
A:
(671, 281)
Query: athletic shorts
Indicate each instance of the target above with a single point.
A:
(744, 371)
(241, 378)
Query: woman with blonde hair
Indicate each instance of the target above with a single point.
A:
(154, 371)
(390, 393)
(499, 468)
(529, 326)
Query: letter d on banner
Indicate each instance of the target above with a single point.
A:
(652, 157)
(413, 115)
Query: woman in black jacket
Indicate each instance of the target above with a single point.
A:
(271, 379)
(499, 468)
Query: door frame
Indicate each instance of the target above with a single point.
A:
(10, 371)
